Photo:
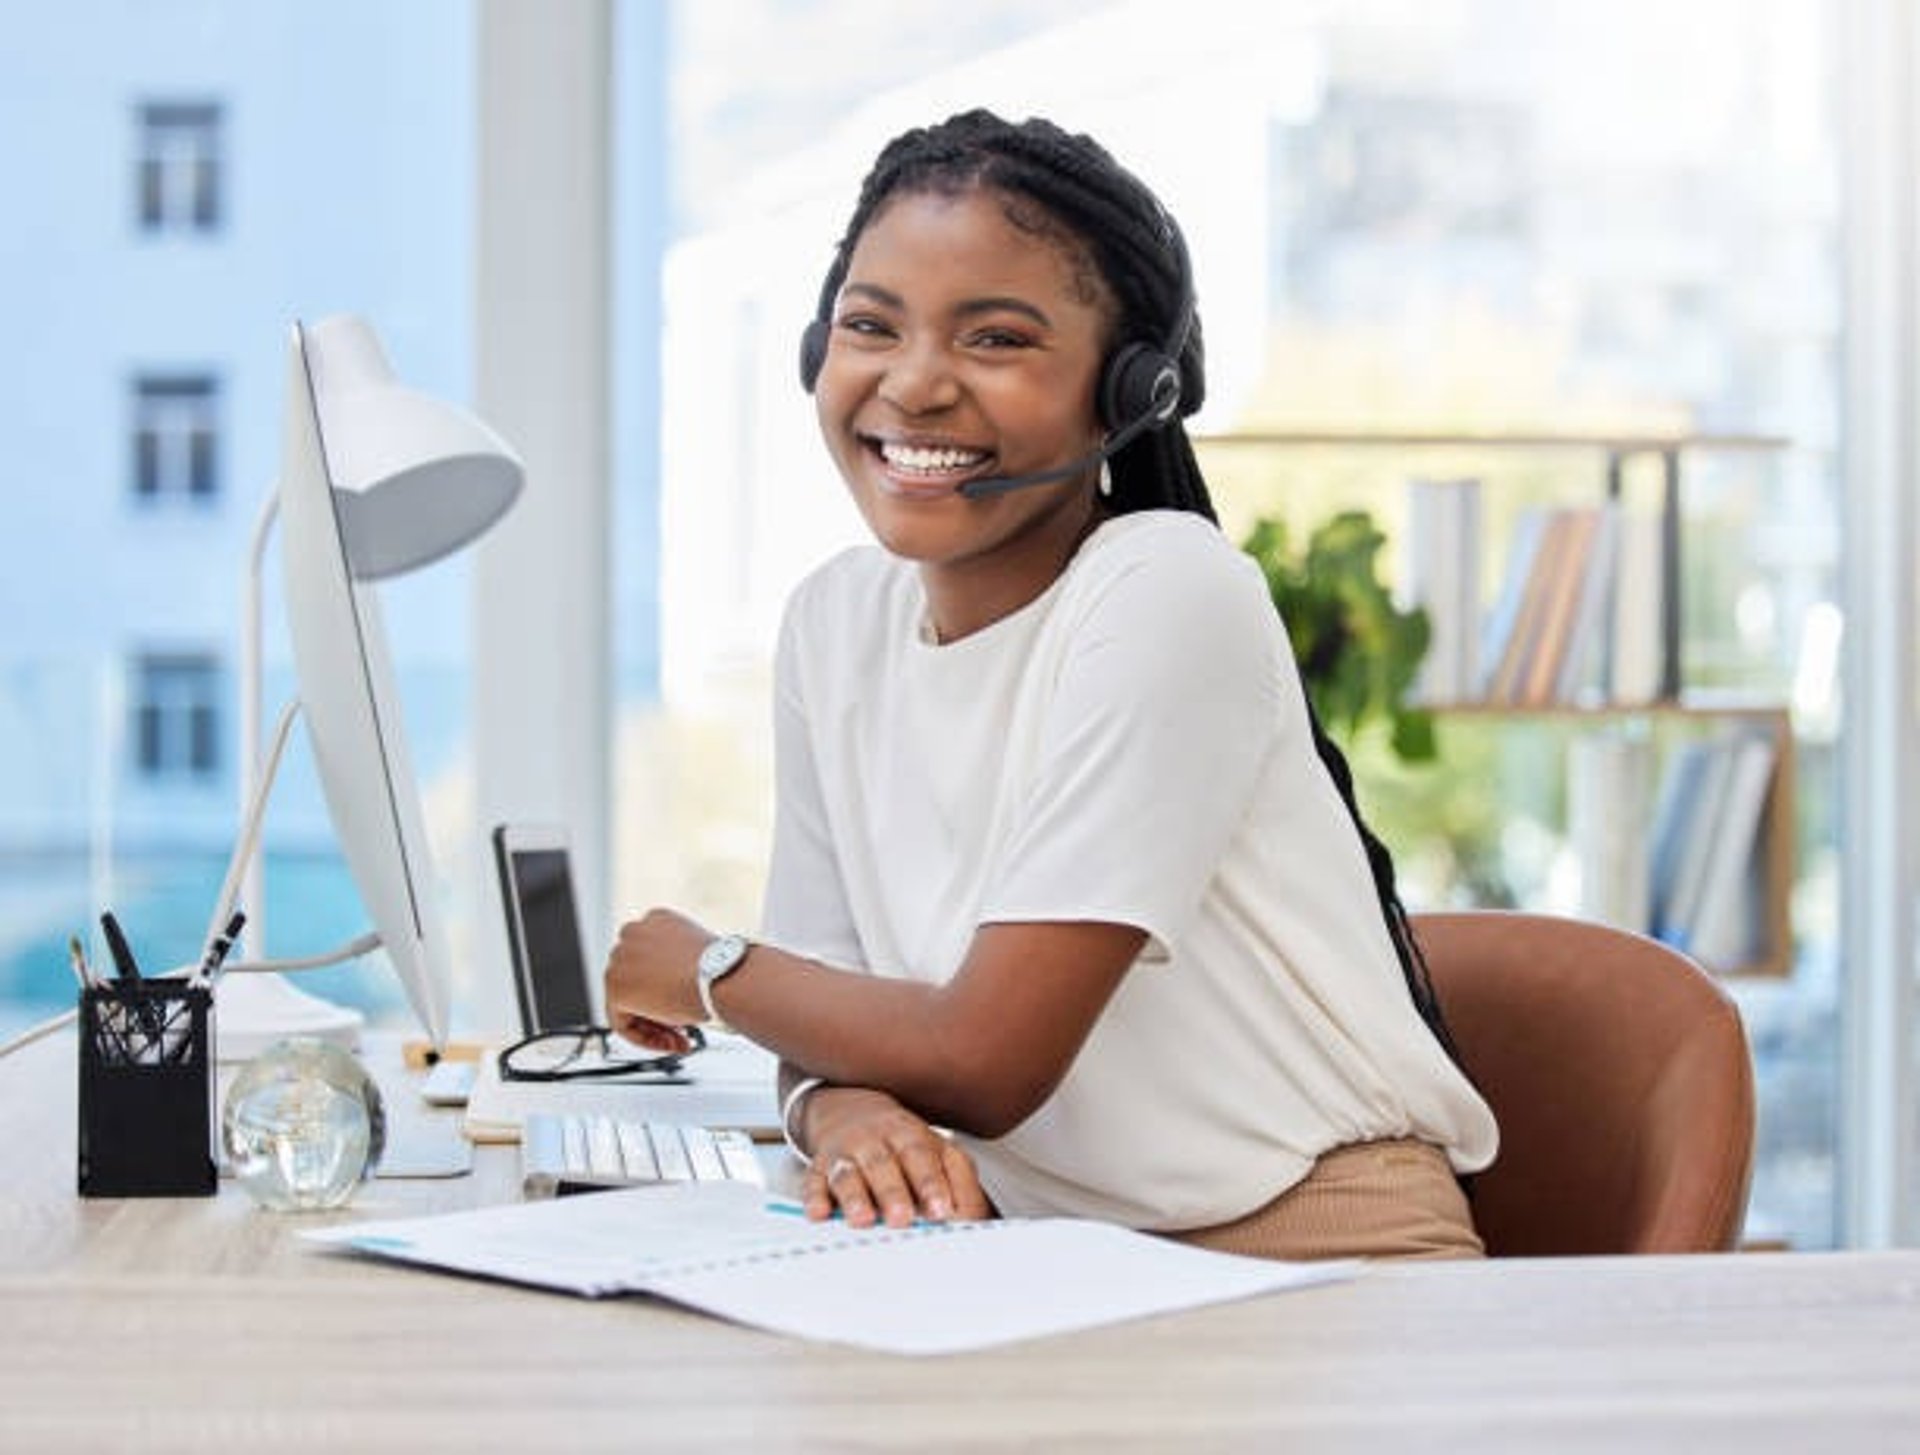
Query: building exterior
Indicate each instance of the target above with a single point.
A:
(187, 181)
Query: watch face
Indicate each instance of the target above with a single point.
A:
(721, 956)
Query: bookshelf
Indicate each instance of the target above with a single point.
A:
(1676, 718)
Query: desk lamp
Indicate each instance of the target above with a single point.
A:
(376, 480)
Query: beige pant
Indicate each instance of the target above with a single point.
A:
(1395, 1199)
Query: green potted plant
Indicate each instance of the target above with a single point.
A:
(1358, 651)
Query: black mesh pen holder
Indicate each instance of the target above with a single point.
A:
(146, 1090)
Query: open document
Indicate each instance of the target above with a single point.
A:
(727, 1250)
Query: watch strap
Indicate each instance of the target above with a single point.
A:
(734, 949)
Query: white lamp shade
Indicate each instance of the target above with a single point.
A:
(415, 478)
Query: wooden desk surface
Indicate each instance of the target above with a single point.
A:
(203, 1324)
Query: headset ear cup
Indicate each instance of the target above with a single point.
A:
(1140, 385)
(813, 353)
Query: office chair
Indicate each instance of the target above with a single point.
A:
(1620, 1074)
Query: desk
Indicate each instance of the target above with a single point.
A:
(204, 1325)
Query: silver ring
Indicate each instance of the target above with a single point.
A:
(839, 1165)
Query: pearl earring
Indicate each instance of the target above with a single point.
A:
(1106, 479)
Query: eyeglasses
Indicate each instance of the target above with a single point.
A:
(577, 1053)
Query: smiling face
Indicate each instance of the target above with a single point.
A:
(963, 347)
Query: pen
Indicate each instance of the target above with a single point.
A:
(124, 965)
(221, 947)
(127, 972)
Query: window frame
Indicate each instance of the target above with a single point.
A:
(543, 719)
(175, 707)
(179, 167)
(1879, 1052)
(175, 437)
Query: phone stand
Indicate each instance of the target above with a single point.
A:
(146, 1090)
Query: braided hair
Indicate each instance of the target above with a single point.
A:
(1067, 187)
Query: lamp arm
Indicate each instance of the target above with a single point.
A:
(245, 862)
(252, 893)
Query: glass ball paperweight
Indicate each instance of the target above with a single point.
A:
(303, 1125)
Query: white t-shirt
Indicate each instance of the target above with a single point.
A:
(1131, 747)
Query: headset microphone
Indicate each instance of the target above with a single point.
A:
(999, 484)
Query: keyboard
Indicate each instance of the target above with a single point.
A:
(562, 1153)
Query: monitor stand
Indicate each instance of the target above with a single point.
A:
(253, 1009)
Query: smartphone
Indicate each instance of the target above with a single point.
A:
(550, 978)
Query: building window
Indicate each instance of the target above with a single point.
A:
(175, 437)
(176, 715)
(179, 174)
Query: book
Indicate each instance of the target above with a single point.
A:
(728, 1250)
(1582, 663)
(1441, 574)
(730, 1084)
(1705, 846)
(1563, 589)
(1636, 656)
(1677, 817)
(1722, 931)
(1609, 777)
(1697, 845)
(1532, 560)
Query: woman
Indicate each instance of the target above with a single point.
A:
(1071, 910)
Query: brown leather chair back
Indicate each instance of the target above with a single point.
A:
(1620, 1075)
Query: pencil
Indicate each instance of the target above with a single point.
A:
(77, 955)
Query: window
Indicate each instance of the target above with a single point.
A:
(175, 435)
(1404, 217)
(171, 278)
(179, 172)
(175, 730)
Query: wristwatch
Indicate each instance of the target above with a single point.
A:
(721, 958)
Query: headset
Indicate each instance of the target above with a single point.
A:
(1140, 383)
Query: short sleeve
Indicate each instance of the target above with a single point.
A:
(1169, 696)
(806, 906)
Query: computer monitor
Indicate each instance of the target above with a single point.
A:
(352, 708)
(375, 480)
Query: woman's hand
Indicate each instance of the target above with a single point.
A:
(872, 1158)
(651, 980)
